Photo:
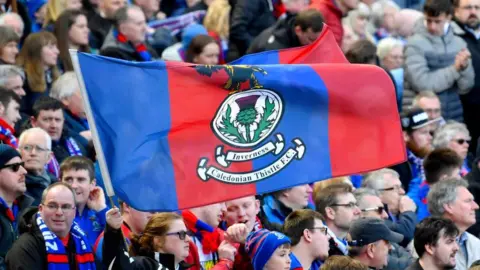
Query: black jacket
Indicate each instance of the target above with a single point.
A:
(8, 233)
(279, 36)
(415, 266)
(29, 251)
(112, 48)
(36, 184)
(248, 19)
(60, 149)
(115, 255)
(99, 28)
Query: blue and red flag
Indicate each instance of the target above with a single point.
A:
(323, 50)
(177, 136)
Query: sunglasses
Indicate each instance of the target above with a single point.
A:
(14, 166)
(379, 209)
(462, 141)
(181, 234)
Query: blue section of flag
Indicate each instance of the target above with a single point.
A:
(306, 117)
(262, 58)
(132, 170)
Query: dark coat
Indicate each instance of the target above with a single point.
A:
(248, 19)
(30, 247)
(125, 51)
(36, 184)
(99, 27)
(8, 233)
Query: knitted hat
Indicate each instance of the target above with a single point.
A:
(6, 153)
(261, 245)
(190, 32)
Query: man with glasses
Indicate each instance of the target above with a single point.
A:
(400, 208)
(309, 239)
(370, 242)
(467, 26)
(35, 146)
(54, 240)
(339, 208)
(12, 199)
(371, 206)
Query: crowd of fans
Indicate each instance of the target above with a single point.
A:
(420, 214)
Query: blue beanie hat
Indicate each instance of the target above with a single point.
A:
(190, 32)
(261, 245)
(7, 153)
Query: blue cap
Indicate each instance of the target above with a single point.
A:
(190, 32)
(261, 245)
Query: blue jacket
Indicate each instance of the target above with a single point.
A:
(295, 265)
(92, 223)
(418, 192)
(275, 211)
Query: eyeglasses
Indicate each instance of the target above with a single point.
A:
(348, 205)
(29, 148)
(470, 7)
(14, 166)
(64, 207)
(462, 141)
(396, 188)
(379, 209)
(181, 234)
(323, 230)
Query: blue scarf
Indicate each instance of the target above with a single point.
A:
(57, 258)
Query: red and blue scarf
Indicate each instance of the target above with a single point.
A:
(141, 49)
(11, 213)
(57, 257)
(208, 236)
(6, 134)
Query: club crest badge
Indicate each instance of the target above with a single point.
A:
(246, 119)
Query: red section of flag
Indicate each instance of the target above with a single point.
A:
(323, 50)
(367, 111)
(195, 114)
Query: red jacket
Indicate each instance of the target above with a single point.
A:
(332, 16)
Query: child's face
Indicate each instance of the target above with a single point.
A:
(280, 259)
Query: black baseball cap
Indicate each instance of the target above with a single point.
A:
(416, 118)
(364, 231)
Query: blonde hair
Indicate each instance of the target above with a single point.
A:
(54, 9)
(218, 17)
(364, 11)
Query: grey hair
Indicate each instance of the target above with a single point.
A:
(13, 15)
(378, 9)
(386, 45)
(375, 180)
(65, 86)
(447, 132)
(359, 193)
(26, 133)
(8, 71)
(443, 192)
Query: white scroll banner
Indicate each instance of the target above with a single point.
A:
(205, 173)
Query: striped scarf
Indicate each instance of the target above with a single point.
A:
(57, 257)
(72, 147)
(141, 49)
(6, 134)
(208, 236)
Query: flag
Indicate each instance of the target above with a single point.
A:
(176, 136)
(324, 50)
(176, 24)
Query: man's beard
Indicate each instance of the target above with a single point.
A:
(473, 22)
(420, 152)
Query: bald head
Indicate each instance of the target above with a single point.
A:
(405, 20)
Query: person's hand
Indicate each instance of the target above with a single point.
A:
(87, 134)
(407, 204)
(96, 199)
(237, 233)
(461, 59)
(227, 251)
(114, 218)
(160, 15)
